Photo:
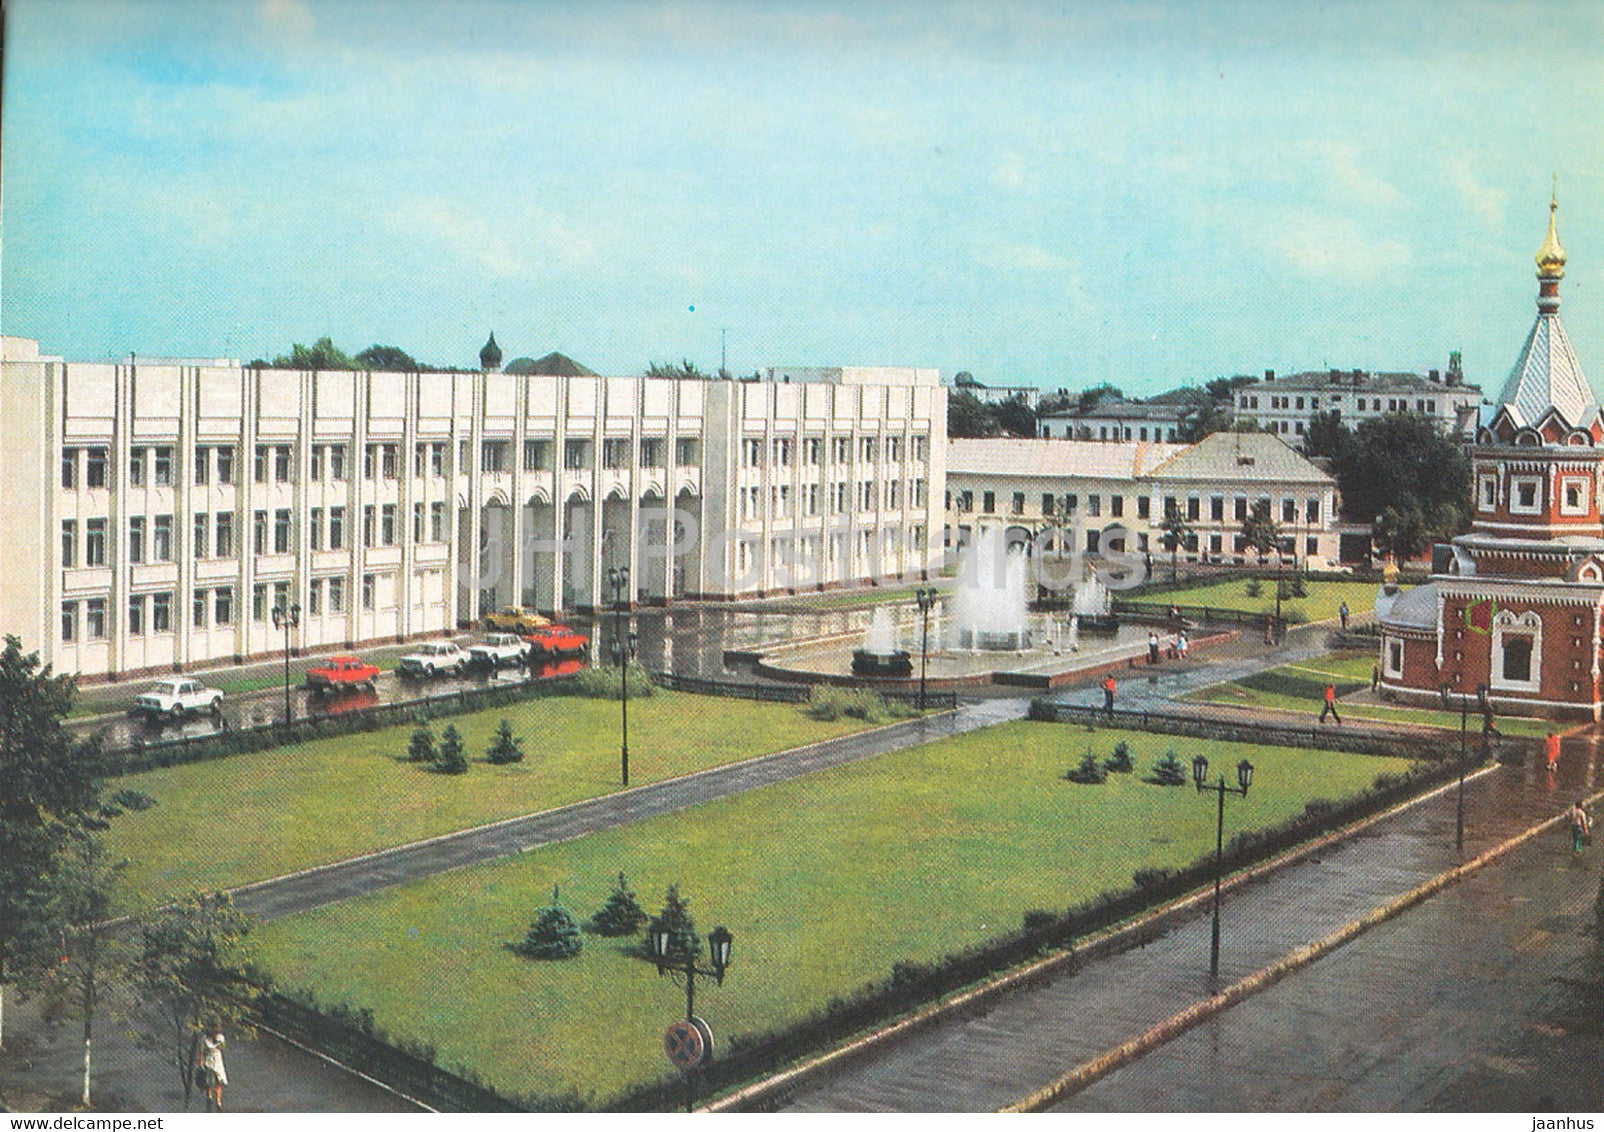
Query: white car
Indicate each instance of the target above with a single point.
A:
(177, 698)
(433, 659)
(498, 650)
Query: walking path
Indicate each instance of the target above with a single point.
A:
(996, 1053)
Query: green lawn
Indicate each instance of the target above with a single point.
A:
(252, 816)
(854, 598)
(825, 882)
(1324, 599)
(1301, 688)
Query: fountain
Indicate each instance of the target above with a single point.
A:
(1090, 608)
(880, 655)
(989, 606)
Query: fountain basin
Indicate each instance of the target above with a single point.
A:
(896, 665)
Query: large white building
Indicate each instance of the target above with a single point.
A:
(1283, 405)
(1093, 488)
(157, 513)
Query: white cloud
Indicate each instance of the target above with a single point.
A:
(1333, 247)
(1357, 184)
(512, 245)
(1486, 204)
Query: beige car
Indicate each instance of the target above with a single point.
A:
(514, 619)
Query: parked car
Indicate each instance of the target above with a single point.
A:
(498, 650)
(341, 673)
(432, 659)
(514, 619)
(554, 640)
(177, 698)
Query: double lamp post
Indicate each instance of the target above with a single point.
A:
(624, 646)
(288, 619)
(671, 959)
(1244, 778)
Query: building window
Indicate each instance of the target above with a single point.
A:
(337, 462)
(493, 456)
(813, 451)
(420, 460)
(314, 595)
(95, 542)
(281, 531)
(94, 467)
(69, 467)
(1517, 651)
(315, 528)
(161, 539)
(259, 602)
(161, 613)
(281, 595)
(651, 452)
(1311, 511)
(387, 524)
(136, 539)
(1094, 504)
(867, 448)
(576, 455)
(841, 450)
(1525, 497)
(281, 463)
(437, 522)
(95, 618)
(259, 467)
(259, 533)
(203, 464)
(615, 453)
(223, 606)
(1311, 546)
(417, 522)
(1239, 509)
(136, 467)
(1194, 508)
(202, 525)
(336, 595)
(1289, 511)
(199, 607)
(336, 528)
(369, 588)
(225, 465)
(390, 461)
(686, 452)
(437, 459)
(369, 529)
(69, 621)
(1217, 508)
(1489, 493)
(921, 449)
(1144, 506)
(1116, 506)
(225, 534)
(782, 451)
(752, 453)
(536, 457)
(136, 615)
(988, 502)
(463, 446)
(69, 543)
(1573, 497)
(370, 462)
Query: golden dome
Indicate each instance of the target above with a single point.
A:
(1551, 256)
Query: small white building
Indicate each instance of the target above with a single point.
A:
(1284, 404)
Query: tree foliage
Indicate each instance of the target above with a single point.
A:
(391, 359)
(451, 758)
(420, 748)
(192, 974)
(1168, 771)
(1177, 529)
(553, 935)
(968, 416)
(621, 915)
(683, 940)
(1120, 761)
(505, 748)
(1089, 397)
(1088, 772)
(1401, 475)
(684, 369)
(1260, 532)
(322, 354)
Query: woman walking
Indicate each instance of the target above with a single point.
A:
(213, 1075)
(1580, 824)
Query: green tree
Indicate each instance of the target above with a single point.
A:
(1120, 761)
(192, 973)
(683, 940)
(1089, 772)
(322, 354)
(968, 417)
(553, 935)
(1401, 461)
(504, 748)
(451, 758)
(686, 369)
(390, 359)
(1400, 532)
(1260, 532)
(1014, 417)
(1168, 771)
(420, 748)
(621, 914)
(46, 788)
(1327, 435)
(1088, 398)
(1176, 530)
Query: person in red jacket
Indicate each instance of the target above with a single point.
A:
(1331, 705)
(1108, 694)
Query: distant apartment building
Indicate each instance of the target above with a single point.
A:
(1093, 488)
(1116, 419)
(1284, 404)
(157, 513)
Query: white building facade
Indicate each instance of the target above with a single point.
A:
(156, 514)
(1283, 405)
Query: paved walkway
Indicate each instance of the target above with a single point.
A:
(997, 1054)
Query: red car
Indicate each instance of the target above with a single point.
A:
(550, 641)
(340, 673)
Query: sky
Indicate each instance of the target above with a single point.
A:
(1057, 194)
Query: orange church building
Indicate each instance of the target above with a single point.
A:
(1518, 611)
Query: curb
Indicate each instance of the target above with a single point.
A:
(1111, 941)
(1089, 1072)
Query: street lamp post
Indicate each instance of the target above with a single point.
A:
(660, 943)
(1459, 813)
(1244, 778)
(623, 652)
(926, 597)
(287, 619)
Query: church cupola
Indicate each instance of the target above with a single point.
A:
(1550, 264)
(490, 354)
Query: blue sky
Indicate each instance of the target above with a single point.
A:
(1053, 194)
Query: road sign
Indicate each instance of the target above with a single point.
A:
(683, 1043)
(707, 1035)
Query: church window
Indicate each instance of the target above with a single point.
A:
(1517, 651)
(1525, 498)
(1394, 658)
(1573, 497)
(1489, 493)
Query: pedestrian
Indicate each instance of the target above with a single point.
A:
(1375, 678)
(1551, 750)
(1175, 615)
(1342, 612)
(1152, 647)
(1331, 705)
(1487, 727)
(1108, 695)
(213, 1075)
(1580, 824)
(1181, 643)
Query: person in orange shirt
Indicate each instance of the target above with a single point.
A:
(1108, 694)
(1551, 750)
(1331, 705)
